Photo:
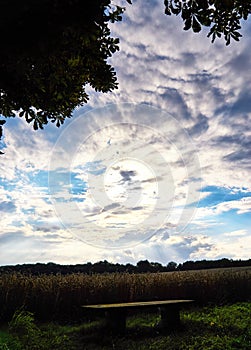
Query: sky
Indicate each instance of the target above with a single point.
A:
(158, 169)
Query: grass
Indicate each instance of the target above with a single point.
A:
(225, 327)
(8, 341)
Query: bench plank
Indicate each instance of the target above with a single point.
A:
(137, 304)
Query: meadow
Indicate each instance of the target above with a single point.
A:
(44, 312)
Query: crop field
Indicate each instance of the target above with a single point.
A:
(59, 297)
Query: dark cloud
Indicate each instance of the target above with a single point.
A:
(7, 207)
(110, 206)
(243, 104)
(240, 63)
(137, 208)
(124, 210)
(190, 245)
(153, 179)
(127, 175)
(242, 154)
(11, 237)
(47, 228)
(118, 212)
(242, 144)
(18, 237)
(175, 102)
(200, 126)
(208, 83)
(155, 140)
(188, 59)
(242, 157)
(238, 139)
(237, 113)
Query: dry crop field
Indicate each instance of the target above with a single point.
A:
(59, 297)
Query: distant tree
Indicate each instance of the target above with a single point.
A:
(130, 268)
(143, 266)
(171, 266)
(156, 267)
(222, 16)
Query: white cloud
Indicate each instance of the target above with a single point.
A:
(236, 233)
(237, 248)
(242, 206)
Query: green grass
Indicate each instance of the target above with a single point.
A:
(7, 341)
(210, 328)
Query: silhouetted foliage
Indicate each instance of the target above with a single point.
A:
(171, 266)
(2, 122)
(222, 16)
(50, 50)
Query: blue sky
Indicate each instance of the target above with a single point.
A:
(158, 169)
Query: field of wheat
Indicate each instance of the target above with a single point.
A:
(59, 297)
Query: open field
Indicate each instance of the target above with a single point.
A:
(58, 297)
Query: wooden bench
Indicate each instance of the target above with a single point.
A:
(116, 313)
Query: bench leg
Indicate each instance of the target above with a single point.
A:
(170, 318)
(116, 321)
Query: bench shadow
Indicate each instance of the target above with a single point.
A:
(100, 333)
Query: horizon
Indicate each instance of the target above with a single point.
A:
(231, 261)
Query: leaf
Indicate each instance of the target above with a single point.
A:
(40, 125)
(186, 14)
(188, 24)
(167, 11)
(28, 118)
(196, 25)
(35, 125)
(204, 19)
(235, 36)
(176, 10)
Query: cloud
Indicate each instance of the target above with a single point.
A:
(237, 248)
(200, 126)
(110, 207)
(198, 134)
(236, 233)
(11, 237)
(242, 206)
(127, 175)
(7, 207)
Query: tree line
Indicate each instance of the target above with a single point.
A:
(143, 266)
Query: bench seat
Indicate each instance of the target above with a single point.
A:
(117, 312)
